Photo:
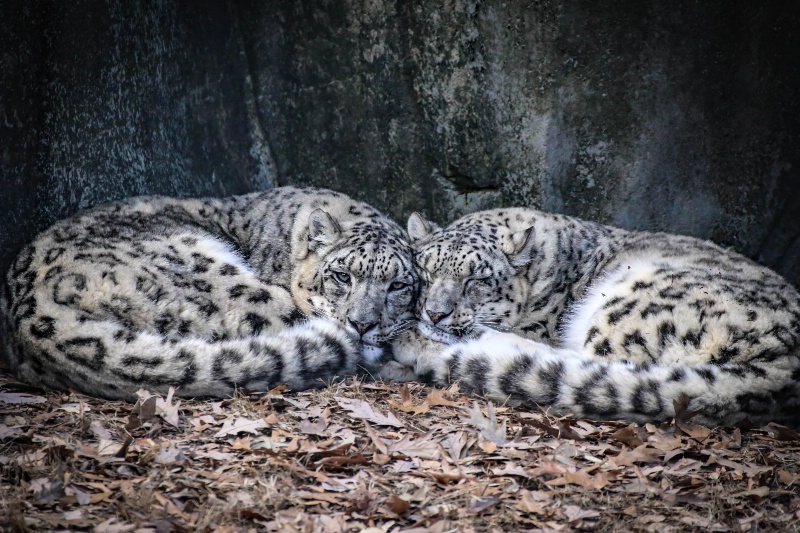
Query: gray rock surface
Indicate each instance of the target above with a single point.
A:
(105, 100)
(678, 116)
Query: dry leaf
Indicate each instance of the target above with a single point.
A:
(666, 443)
(201, 423)
(323, 468)
(487, 425)
(342, 460)
(20, 398)
(545, 428)
(632, 436)
(99, 431)
(421, 447)
(361, 409)
(398, 505)
(487, 446)
(683, 419)
(744, 468)
(575, 513)
(757, 494)
(535, 501)
(641, 454)
(479, 504)
(112, 526)
(241, 425)
(75, 407)
(146, 405)
(242, 443)
(582, 478)
(215, 455)
(511, 469)
(788, 478)
(409, 407)
(566, 431)
(167, 410)
(8, 433)
(457, 444)
(437, 398)
(736, 438)
(169, 454)
(319, 427)
(107, 447)
(782, 432)
(376, 440)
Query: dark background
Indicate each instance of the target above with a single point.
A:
(680, 116)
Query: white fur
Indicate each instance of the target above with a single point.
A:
(584, 312)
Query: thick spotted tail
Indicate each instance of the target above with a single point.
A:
(509, 369)
(110, 330)
(108, 360)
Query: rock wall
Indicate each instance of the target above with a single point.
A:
(105, 100)
(678, 116)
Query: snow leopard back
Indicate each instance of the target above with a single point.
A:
(608, 323)
(205, 295)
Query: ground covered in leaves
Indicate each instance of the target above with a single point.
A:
(377, 457)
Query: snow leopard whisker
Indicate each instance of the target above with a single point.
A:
(397, 329)
(493, 322)
(321, 313)
(401, 327)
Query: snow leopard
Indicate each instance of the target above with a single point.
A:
(549, 311)
(288, 286)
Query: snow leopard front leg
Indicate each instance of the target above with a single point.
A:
(396, 361)
(377, 364)
(418, 351)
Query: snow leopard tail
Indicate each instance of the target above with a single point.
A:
(563, 381)
(104, 358)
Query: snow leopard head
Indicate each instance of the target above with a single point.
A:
(358, 272)
(471, 272)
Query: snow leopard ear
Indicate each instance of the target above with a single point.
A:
(323, 230)
(522, 248)
(419, 228)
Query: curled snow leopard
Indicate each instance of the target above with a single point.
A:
(206, 295)
(602, 322)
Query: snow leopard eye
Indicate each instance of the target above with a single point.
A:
(342, 277)
(397, 286)
(478, 284)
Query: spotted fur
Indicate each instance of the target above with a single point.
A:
(602, 322)
(206, 295)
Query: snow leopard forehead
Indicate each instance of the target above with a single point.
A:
(471, 248)
(374, 250)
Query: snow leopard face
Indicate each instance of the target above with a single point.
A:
(470, 274)
(359, 274)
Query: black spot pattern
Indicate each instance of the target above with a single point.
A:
(44, 327)
(642, 318)
(86, 351)
(192, 293)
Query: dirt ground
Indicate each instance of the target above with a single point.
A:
(377, 457)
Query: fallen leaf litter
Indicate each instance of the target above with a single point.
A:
(378, 457)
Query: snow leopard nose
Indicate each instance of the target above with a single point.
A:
(362, 327)
(436, 317)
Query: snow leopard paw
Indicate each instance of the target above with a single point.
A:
(372, 354)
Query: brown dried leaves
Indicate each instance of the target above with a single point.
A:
(378, 457)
